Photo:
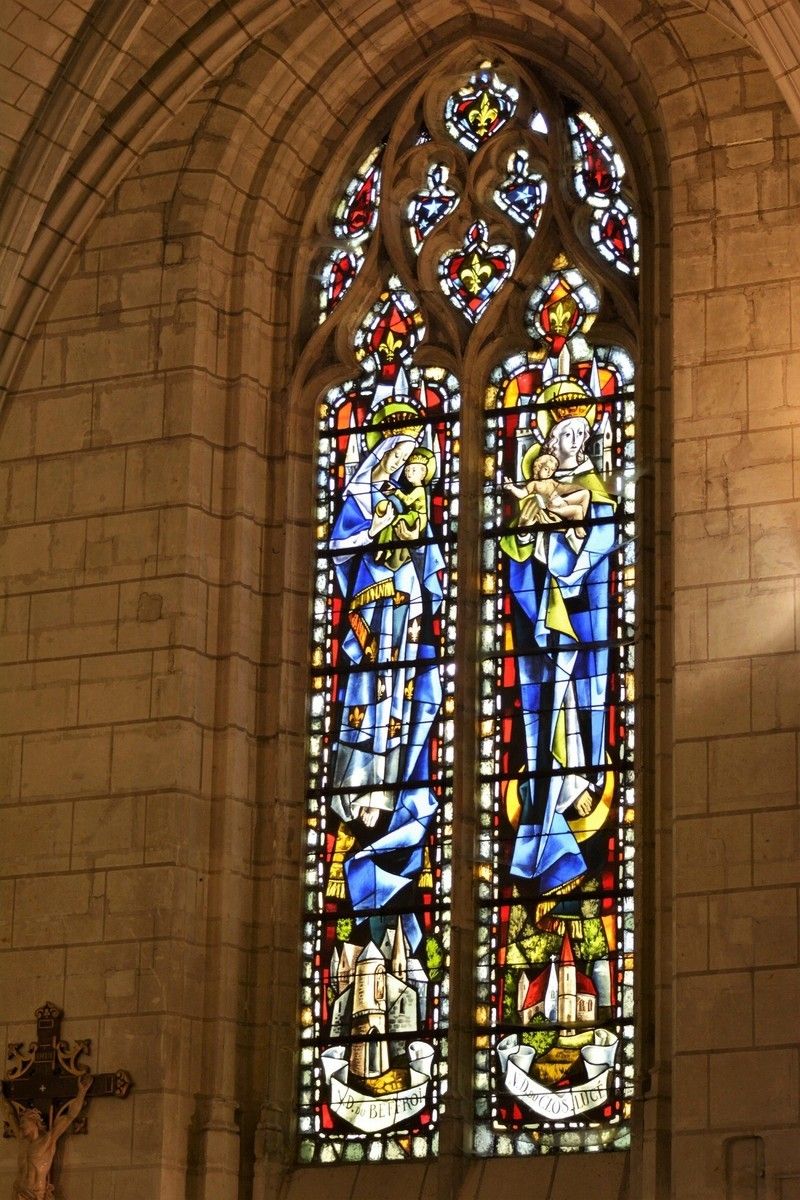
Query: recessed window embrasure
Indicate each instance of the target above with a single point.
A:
(468, 175)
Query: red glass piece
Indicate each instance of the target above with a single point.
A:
(615, 233)
(361, 213)
(341, 273)
(598, 170)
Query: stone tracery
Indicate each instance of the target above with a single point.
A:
(380, 816)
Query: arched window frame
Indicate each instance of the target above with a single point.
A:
(321, 363)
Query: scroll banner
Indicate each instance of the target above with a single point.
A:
(559, 1104)
(371, 1114)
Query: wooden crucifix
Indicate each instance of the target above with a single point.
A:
(44, 1093)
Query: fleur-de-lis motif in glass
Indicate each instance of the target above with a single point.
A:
(476, 111)
(522, 193)
(390, 334)
(430, 205)
(483, 115)
(471, 275)
(563, 305)
(390, 345)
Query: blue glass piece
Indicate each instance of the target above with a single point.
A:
(430, 205)
(522, 193)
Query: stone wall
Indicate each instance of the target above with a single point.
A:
(154, 485)
(737, 259)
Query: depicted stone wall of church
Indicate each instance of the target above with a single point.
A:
(155, 490)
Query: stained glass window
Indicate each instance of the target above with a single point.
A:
(465, 189)
(614, 231)
(480, 108)
(380, 787)
(555, 1012)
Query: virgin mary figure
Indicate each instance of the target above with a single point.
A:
(559, 579)
(392, 688)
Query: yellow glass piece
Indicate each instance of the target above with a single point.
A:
(390, 345)
(474, 273)
(511, 394)
(513, 805)
(482, 115)
(557, 615)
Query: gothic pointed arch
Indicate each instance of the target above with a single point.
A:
(473, 334)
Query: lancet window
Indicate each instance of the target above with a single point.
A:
(479, 265)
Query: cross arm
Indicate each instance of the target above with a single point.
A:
(71, 1110)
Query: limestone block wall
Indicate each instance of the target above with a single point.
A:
(736, 546)
(130, 648)
(154, 478)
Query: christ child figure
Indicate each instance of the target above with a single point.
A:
(404, 514)
(544, 500)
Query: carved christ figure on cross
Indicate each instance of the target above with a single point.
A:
(36, 1145)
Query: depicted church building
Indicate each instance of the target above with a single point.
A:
(560, 993)
(381, 993)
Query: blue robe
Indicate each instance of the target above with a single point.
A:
(388, 710)
(561, 631)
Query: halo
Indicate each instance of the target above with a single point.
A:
(528, 459)
(569, 398)
(391, 418)
(423, 455)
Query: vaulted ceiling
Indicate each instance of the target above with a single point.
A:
(86, 88)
